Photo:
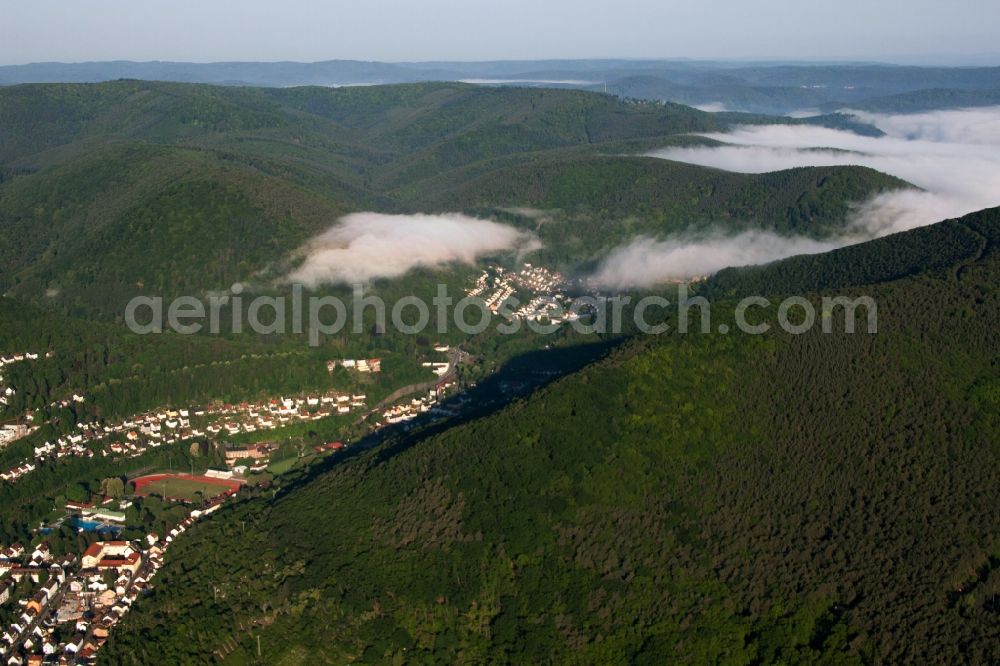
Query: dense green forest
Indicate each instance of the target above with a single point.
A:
(113, 190)
(814, 498)
(122, 373)
(951, 243)
(646, 195)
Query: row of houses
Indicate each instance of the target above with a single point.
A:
(553, 307)
(136, 435)
(359, 364)
(407, 411)
(503, 291)
(15, 473)
(539, 279)
(496, 285)
(490, 277)
(252, 417)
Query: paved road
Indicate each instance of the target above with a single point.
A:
(455, 357)
(47, 610)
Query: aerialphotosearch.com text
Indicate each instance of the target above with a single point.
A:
(316, 316)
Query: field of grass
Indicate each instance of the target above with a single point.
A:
(282, 466)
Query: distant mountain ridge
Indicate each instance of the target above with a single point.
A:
(749, 87)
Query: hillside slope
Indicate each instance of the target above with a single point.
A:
(142, 219)
(603, 201)
(949, 244)
(818, 498)
(113, 190)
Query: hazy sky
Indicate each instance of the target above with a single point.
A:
(308, 30)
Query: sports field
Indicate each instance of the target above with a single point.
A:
(184, 487)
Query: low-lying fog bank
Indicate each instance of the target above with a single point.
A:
(954, 156)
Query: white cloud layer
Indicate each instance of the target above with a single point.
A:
(364, 246)
(954, 156)
(711, 107)
(645, 261)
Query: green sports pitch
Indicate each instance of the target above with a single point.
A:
(184, 487)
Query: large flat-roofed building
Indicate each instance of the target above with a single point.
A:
(256, 452)
(117, 555)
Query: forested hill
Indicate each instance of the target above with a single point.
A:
(817, 498)
(376, 122)
(951, 243)
(112, 190)
(657, 197)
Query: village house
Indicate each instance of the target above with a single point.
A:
(49, 648)
(42, 553)
(74, 644)
(331, 446)
(50, 589)
(34, 606)
(57, 573)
